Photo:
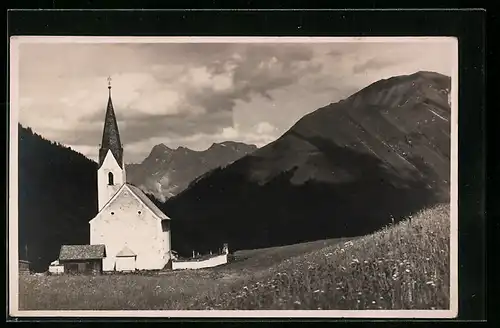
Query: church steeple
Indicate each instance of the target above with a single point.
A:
(111, 136)
(111, 171)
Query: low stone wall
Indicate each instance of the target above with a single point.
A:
(194, 264)
(56, 269)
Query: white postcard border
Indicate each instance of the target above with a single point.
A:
(14, 311)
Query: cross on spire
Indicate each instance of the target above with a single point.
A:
(109, 85)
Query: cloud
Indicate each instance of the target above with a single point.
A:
(265, 128)
(371, 64)
(196, 94)
(259, 135)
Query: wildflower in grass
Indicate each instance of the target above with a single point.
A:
(373, 302)
(297, 302)
(355, 261)
(407, 270)
(328, 254)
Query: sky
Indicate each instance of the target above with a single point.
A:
(197, 94)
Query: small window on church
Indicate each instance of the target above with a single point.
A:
(110, 179)
(139, 212)
(112, 213)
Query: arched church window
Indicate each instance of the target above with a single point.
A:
(110, 179)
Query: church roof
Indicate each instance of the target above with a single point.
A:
(111, 136)
(126, 252)
(82, 252)
(141, 196)
(147, 202)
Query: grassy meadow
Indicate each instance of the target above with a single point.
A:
(405, 266)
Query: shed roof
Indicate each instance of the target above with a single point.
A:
(126, 252)
(82, 252)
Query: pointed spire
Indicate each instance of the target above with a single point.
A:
(109, 86)
(111, 136)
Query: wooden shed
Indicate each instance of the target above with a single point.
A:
(82, 259)
(24, 267)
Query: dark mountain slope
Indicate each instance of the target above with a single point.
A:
(166, 172)
(57, 198)
(342, 170)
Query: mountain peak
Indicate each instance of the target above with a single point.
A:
(429, 74)
(161, 146)
(399, 90)
(184, 149)
(231, 144)
(174, 169)
(159, 150)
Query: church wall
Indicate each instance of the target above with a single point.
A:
(126, 221)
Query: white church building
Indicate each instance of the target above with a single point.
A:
(129, 232)
(134, 231)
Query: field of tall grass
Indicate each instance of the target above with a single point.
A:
(405, 266)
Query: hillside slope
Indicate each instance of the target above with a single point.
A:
(342, 170)
(401, 267)
(166, 172)
(57, 198)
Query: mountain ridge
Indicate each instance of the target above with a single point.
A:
(166, 171)
(386, 146)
